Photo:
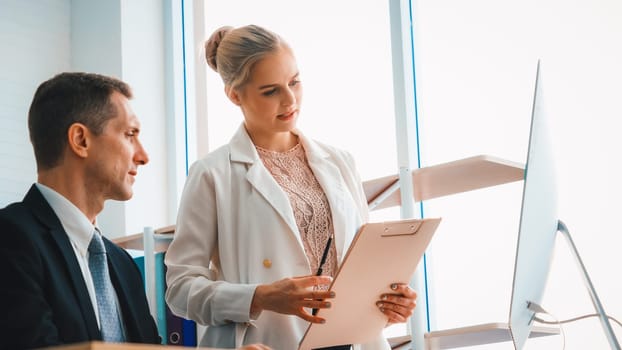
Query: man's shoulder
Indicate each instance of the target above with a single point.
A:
(16, 212)
(20, 229)
(25, 221)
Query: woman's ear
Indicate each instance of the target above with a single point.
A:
(78, 139)
(233, 95)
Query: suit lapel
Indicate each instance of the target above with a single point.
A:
(40, 207)
(117, 275)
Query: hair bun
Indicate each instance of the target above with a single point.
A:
(211, 45)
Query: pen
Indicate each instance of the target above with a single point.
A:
(322, 261)
(324, 255)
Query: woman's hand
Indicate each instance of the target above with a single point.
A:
(398, 306)
(292, 295)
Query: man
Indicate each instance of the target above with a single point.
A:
(85, 140)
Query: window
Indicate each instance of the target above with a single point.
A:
(476, 71)
(345, 65)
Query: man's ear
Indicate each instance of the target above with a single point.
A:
(233, 95)
(78, 138)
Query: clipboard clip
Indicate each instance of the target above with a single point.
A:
(401, 228)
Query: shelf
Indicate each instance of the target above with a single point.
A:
(487, 333)
(444, 179)
(163, 237)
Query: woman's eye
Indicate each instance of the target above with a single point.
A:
(269, 92)
(294, 83)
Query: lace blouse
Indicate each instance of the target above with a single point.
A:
(311, 209)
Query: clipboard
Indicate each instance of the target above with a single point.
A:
(380, 254)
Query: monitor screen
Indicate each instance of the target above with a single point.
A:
(538, 222)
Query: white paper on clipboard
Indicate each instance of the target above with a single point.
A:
(380, 254)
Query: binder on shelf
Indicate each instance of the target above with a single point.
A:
(148, 250)
(189, 331)
(160, 305)
(174, 329)
(180, 330)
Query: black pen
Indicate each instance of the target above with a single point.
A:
(322, 262)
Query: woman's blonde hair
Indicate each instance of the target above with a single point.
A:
(232, 52)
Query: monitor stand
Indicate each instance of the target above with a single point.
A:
(499, 332)
(604, 320)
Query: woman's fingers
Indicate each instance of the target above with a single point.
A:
(294, 296)
(312, 281)
(398, 306)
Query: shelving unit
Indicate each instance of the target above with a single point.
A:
(446, 179)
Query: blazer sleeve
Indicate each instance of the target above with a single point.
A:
(194, 289)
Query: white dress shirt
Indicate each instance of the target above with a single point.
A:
(80, 232)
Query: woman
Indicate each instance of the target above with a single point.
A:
(258, 212)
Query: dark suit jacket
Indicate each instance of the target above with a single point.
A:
(43, 297)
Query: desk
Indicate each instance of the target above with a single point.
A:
(98, 345)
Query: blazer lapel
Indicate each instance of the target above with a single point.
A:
(40, 207)
(117, 275)
(330, 178)
(243, 151)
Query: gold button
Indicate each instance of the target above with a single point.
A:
(267, 263)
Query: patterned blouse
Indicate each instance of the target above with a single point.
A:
(291, 171)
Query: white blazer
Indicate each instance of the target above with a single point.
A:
(236, 229)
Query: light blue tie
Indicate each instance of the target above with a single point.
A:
(109, 320)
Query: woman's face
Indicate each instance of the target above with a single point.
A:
(270, 100)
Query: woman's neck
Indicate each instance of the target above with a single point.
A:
(278, 142)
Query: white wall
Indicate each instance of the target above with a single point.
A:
(121, 38)
(35, 42)
(144, 70)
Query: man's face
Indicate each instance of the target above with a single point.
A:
(117, 153)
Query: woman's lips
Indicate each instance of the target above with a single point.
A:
(287, 115)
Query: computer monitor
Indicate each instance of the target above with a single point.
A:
(539, 225)
(538, 222)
